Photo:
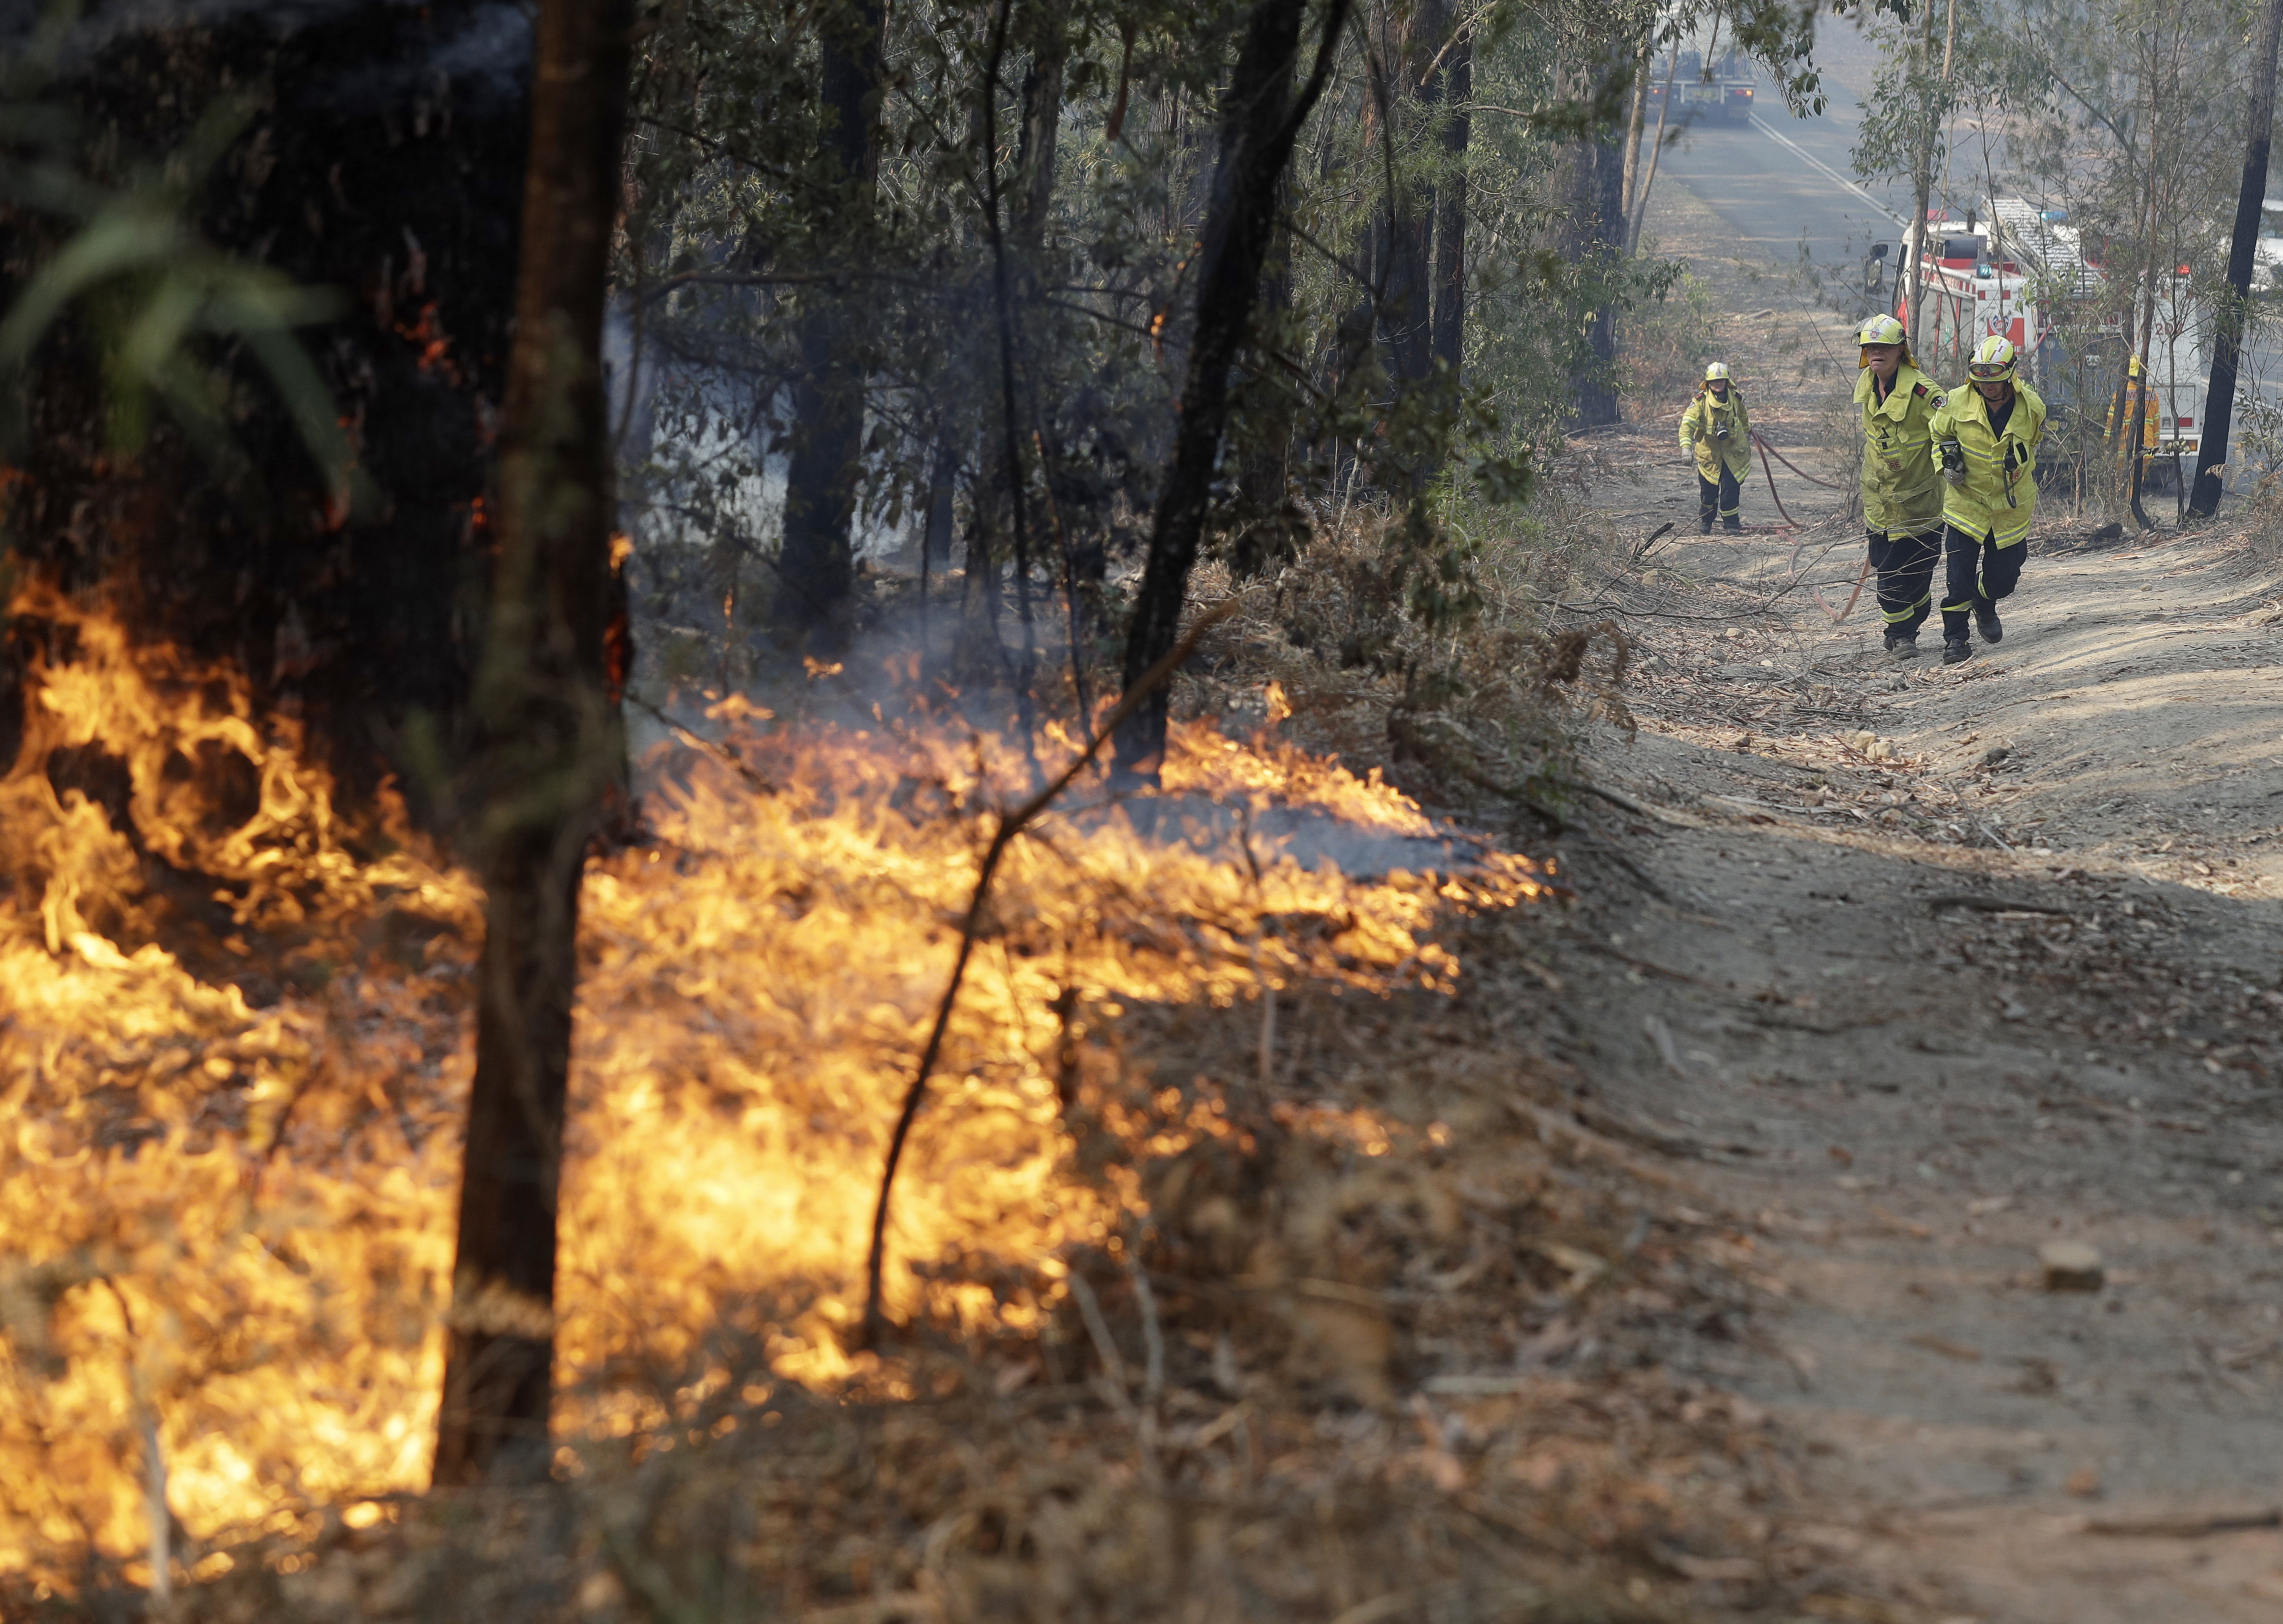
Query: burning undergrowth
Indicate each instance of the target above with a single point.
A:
(1142, 1229)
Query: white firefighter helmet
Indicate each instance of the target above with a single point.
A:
(1716, 370)
(1994, 360)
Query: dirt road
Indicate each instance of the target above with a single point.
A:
(1918, 968)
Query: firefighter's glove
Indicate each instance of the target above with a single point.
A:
(1953, 461)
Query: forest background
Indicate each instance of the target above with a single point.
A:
(931, 366)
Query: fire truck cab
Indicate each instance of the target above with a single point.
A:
(1720, 94)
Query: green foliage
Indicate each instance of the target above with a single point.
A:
(736, 238)
(164, 311)
(1667, 335)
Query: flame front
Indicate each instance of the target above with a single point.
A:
(236, 1047)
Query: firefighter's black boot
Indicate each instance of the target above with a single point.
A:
(1735, 527)
(1704, 527)
(1986, 621)
(1903, 645)
(1955, 650)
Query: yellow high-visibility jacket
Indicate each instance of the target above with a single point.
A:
(1902, 478)
(1999, 496)
(1700, 427)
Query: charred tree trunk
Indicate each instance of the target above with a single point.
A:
(383, 157)
(2219, 400)
(816, 567)
(551, 746)
(1271, 526)
(943, 478)
(1450, 335)
(1259, 118)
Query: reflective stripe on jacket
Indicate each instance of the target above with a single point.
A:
(1999, 496)
(1699, 433)
(1902, 476)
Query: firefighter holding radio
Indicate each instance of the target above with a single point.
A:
(1902, 484)
(1717, 431)
(1987, 437)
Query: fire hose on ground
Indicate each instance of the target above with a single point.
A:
(1792, 568)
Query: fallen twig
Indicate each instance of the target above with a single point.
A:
(1616, 799)
(1641, 876)
(2185, 1525)
(1662, 1140)
(1655, 536)
(1604, 949)
(1626, 803)
(737, 762)
(1991, 904)
(1553, 1124)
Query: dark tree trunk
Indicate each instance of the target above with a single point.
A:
(1259, 118)
(1593, 232)
(1608, 239)
(384, 158)
(1264, 478)
(943, 477)
(816, 567)
(550, 748)
(1034, 159)
(1406, 315)
(1405, 219)
(1450, 337)
(2219, 400)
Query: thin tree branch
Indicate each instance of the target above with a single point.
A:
(1010, 825)
(1132, 327)
(769, 279)
(1327, 49)
(1002, 299)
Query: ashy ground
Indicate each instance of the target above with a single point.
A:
(1914, 970)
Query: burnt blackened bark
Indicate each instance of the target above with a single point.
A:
(2219, 400)
(1259, 118)
(943, 478)
(1271, 526)
(383, 157)
(551, 747)
(816, 566)
(1450, 334)
(1406, 220)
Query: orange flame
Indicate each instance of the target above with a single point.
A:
(227, 1193)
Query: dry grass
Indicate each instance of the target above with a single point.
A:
(1403, 1344)
(1389, 1336)
(1479, 719)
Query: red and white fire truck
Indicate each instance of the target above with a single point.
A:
(2023, 273)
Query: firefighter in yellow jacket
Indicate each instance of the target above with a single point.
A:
(1902, 486)
(1988, 437)
(1716, 428)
